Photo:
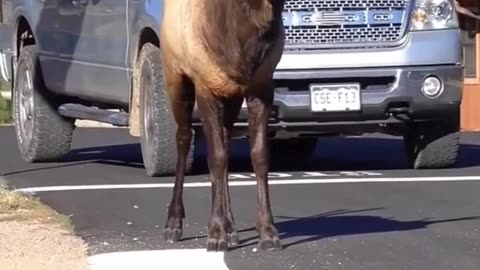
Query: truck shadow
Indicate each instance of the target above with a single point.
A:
(331, 154)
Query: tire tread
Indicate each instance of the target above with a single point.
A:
(434, 146)
(163, 158)
(52, 133)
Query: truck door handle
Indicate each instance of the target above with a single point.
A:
(80, 3)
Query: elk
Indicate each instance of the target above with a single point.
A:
(220, 53)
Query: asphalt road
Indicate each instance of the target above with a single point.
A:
(357, 212)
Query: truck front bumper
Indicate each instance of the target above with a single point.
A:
(387, 95)
(383, 91)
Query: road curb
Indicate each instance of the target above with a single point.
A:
(6, 95)
(93, 124)
(179, 259)
(79, 123)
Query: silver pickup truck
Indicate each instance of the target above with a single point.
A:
(349, 67)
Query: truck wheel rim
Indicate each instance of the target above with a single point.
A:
(26, 106)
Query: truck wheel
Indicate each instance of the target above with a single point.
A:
(304, 147)
(157, 125)
(432, 145)
(42, 133)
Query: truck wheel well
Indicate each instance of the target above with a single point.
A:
(147, 36)
(24, 35)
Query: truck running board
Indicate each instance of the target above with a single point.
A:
(79, 111)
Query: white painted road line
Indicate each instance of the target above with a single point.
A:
(179, 259)
(253, 183)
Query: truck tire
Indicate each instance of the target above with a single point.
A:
(157, 125)
(43, 135)
(433, 145)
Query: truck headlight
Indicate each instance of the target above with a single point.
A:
(433, 14)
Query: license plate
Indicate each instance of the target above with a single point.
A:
(335, 97)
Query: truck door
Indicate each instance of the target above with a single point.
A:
(93, 49)
(6, 43)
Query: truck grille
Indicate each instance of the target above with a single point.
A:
(343, 23)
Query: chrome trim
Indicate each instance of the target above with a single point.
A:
(4, 66)
(350, 16)
(345, 18)
(419, 48)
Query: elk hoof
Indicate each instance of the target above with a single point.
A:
(233, 239)
(270, 244)
(172, 235)
(216, 244)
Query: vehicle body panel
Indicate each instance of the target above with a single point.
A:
(90, 53)
(418, 49)
(142, 15)
(89, 61)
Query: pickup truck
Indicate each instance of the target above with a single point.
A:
(349, 67)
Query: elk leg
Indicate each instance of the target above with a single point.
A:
(231, 115)
(181, 92)
(212, 113)
(259, 107)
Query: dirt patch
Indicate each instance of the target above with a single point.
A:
(35, 237)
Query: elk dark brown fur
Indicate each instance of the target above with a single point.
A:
(218, 53)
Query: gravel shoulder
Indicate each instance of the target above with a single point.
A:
(33, 236)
